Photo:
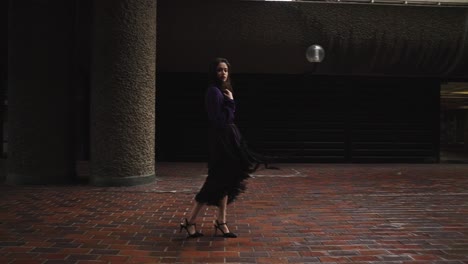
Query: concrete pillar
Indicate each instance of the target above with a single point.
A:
(39, 137)
(123, 92)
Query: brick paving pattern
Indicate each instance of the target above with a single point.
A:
(304, 213)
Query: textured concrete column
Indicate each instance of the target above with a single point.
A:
(39, 137)
(123, 92)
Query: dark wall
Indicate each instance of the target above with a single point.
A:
(272, 37)
(81, 67)
(302, 118)
(3, 66)
(3, 46)
(40, 92)
(375, 97)
(3, 80)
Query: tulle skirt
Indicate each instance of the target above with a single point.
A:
(229, 164)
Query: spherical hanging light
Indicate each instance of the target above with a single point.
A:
(315, 53)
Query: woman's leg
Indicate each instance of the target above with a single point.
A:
(222, 214)
(195, 211)
(193, 216)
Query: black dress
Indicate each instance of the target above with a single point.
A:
(230, 161)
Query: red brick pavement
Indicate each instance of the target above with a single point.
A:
(304, 213)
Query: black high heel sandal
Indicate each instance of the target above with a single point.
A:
(186, 226)
(228, 234)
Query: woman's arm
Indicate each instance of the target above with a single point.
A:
(220, 108)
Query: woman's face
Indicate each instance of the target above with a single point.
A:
(222, 71)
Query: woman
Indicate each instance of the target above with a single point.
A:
(230, 161)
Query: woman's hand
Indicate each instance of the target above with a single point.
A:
(228, 94)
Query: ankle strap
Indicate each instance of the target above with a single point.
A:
(217, 222)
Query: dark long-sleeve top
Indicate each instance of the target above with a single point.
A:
(220, 109)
